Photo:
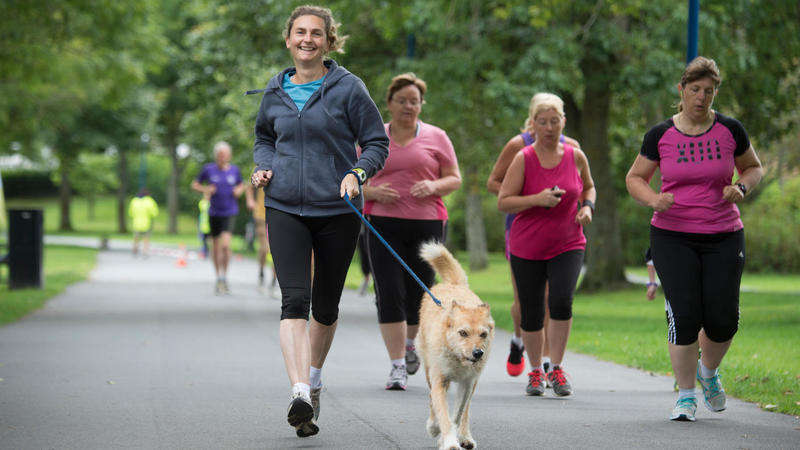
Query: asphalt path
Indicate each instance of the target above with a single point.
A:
(144, 356)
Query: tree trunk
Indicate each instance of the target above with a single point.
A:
(475, 228)
(90, 199)
(65, 192)
(122, 219)
(604, 260)
(173, 198)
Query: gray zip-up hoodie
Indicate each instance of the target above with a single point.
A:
(309, 151)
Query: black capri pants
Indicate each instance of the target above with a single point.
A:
(531, 276)
(397, 293)
(700, 275)
(291, 240)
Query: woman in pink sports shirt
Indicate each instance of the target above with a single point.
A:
(696, 234)
(404, 203)
(550, 188)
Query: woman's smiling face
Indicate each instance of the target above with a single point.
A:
(307, 40)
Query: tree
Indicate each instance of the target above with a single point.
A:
(62, 60)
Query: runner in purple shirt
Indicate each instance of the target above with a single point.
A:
(223, 181)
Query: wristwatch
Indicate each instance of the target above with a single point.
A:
(742, 188)
(588, 203)
(360, 174)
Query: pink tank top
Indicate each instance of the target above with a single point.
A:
(540, 233)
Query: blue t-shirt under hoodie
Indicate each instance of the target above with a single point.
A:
(300, 93)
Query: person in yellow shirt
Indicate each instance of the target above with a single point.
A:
(203, 222)
(255, 203)
(142, 210)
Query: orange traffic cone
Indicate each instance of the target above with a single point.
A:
(181, 256)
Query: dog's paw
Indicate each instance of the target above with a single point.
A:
(468, 443)
(449, 444)
(433, 428)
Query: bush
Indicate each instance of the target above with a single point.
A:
(771, 228)
(493, 220)
(28, 183)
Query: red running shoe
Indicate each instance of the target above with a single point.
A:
(516, 360)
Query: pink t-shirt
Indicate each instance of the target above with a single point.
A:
(422, 159)
(695, 169)
(540, 233)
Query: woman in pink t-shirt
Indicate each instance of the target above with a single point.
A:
(696, 234)
(404, 203)
(550, 188)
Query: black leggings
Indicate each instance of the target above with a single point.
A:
(700, 274)
(291, 240)
(397, 293)
(531, 276)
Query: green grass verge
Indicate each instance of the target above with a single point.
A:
(761, 282)
(104, 222)
(762, 366)
(63, 266)
(105, 216)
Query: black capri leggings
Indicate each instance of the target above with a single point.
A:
(397, 293)
(291, 240)
(700, 274)
(561, 271)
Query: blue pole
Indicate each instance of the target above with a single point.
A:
(411, 46)
(142, 169)
(143, 161)
(691, 48)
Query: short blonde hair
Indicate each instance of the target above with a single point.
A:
(335, 42)
(403, 80)
(540, 102)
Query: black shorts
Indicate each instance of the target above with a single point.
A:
(700, 275)
(398, 295)
(218, 224)
(292, 239)
(561, 272)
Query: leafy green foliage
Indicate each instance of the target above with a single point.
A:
(771, 225)
(81, 75)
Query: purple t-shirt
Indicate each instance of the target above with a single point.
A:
(695, 169)
(223, 202)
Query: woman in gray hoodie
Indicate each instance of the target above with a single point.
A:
(310, 120)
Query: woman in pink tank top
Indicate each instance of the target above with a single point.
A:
(550, 188)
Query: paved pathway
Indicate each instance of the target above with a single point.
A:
(144, 356)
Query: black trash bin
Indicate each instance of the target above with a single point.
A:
(25, 248)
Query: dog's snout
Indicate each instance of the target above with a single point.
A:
(477, 354)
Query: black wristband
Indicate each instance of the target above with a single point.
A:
(742, 188)
(588, 203)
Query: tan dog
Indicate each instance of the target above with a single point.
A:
(454, 341)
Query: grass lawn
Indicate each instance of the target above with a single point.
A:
(63, 266)
(105, 221)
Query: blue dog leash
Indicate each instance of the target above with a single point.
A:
(391, 250)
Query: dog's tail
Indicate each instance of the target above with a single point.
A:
(443, 262)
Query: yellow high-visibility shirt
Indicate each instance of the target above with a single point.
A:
(142, 211)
